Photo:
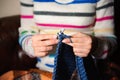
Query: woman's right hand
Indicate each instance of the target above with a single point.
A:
(43, 44)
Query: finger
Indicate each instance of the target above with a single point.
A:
(79, 35)
(78, 40)
(44, 36)
(79, 50)
(41, 54)
(85, 39)
(43, 49)
(81, 54)
(67, 40)
(81, 45)
(45, 43)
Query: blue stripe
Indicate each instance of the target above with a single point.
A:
(44, 0)
(50, 65)
(22, 38)
(75, 1)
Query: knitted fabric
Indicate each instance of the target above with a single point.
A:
(66, 62)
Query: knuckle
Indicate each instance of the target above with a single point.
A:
(43, 49)
(85, 55)
(43, 54)
(76, 54)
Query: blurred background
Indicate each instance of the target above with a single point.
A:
(9, 7)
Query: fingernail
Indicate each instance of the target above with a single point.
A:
(63, 41)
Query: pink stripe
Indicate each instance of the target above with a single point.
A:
(27, 41)
(27, 16)
(104, 18)
(62, 25)
(105, 52)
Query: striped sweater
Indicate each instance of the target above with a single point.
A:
(94, 17)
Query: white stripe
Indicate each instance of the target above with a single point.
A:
(64, 8)
(103, 25)
(64, 20)
(72, 30)
(27, 22)
(104, 2)
(105, 12)
(26, 10)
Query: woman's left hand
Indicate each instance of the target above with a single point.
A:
(81, 44)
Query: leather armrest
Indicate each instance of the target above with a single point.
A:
(10, 48)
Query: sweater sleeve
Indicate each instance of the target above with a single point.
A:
(28, 27)
(104, 41)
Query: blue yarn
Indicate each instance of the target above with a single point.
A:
(80, 68)
(58, 67)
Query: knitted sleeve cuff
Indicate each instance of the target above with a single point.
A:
(27, 46)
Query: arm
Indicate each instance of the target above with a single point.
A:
(28, 27)
(104, 41)
(37, 45)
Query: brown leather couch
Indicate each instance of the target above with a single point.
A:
(9, 47)
(10, 51)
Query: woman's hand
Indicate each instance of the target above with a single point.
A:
(43, 44)
(81, 44)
